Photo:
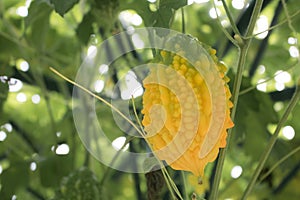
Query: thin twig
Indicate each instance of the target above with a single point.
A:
(231, 20)
(170, 184)
(97, 97)
(267, 79)
(184, 185)
(275, 26)
(290, 24)
(227, 34)
(279, 163)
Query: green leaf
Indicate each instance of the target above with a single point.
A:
(53, 168)
(175, 4)
(255, 112)
(38, 22)
(3, 94)
(163, 17)
(63, 6)
(165, 13)
(14, 177)
(9, 3)
(85, 29)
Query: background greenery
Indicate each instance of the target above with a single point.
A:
(59, 33)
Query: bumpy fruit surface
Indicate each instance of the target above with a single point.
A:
(186, 108)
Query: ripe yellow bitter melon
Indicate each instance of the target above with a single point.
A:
(186, 106)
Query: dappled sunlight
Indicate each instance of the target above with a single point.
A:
(92, 52)
(3, 136)
(278, 106)
(261, 85)
(261, 69)
(119, 142)
(22, 11)
(279, 86)
(129, 17)
(99, 86)
(15, 85)
(214, 13)
(8, 127)
(33, 166)
(294, 52)
(261, 27)
(21, 97)
(23, 65)
(236, 171)
(58, 134)
(292, 40)
(62, 149)
(288, 132)
(103, 69)
(137, 41)
(36, 99)
(238, 4)
(133, 88)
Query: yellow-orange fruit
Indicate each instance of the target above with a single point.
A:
(187, 110)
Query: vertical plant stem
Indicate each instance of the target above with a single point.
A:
(182, 21)
(220, 163)
(271, 143)
(184, 185)
(243, 49)
(254, 16)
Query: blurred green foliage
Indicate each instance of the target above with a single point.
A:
(57, 33)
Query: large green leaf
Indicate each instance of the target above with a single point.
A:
(38, 19)
(13, 178)
(174, 4)
(53, 168)
(63, 6)
(85, 29)
(255, 112)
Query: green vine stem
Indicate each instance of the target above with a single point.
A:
(232, 22)
(170, 184)
(183, 179)
(227, 34)
(97, 97)
(182, 21)
(292, 66)
(243, 45)
(279, 162)
(267, 151)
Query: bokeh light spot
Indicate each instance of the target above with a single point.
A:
(288, 132)
(119, 142)
(21, 97)
(236, 171)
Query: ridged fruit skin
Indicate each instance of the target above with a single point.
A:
(181, 106)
